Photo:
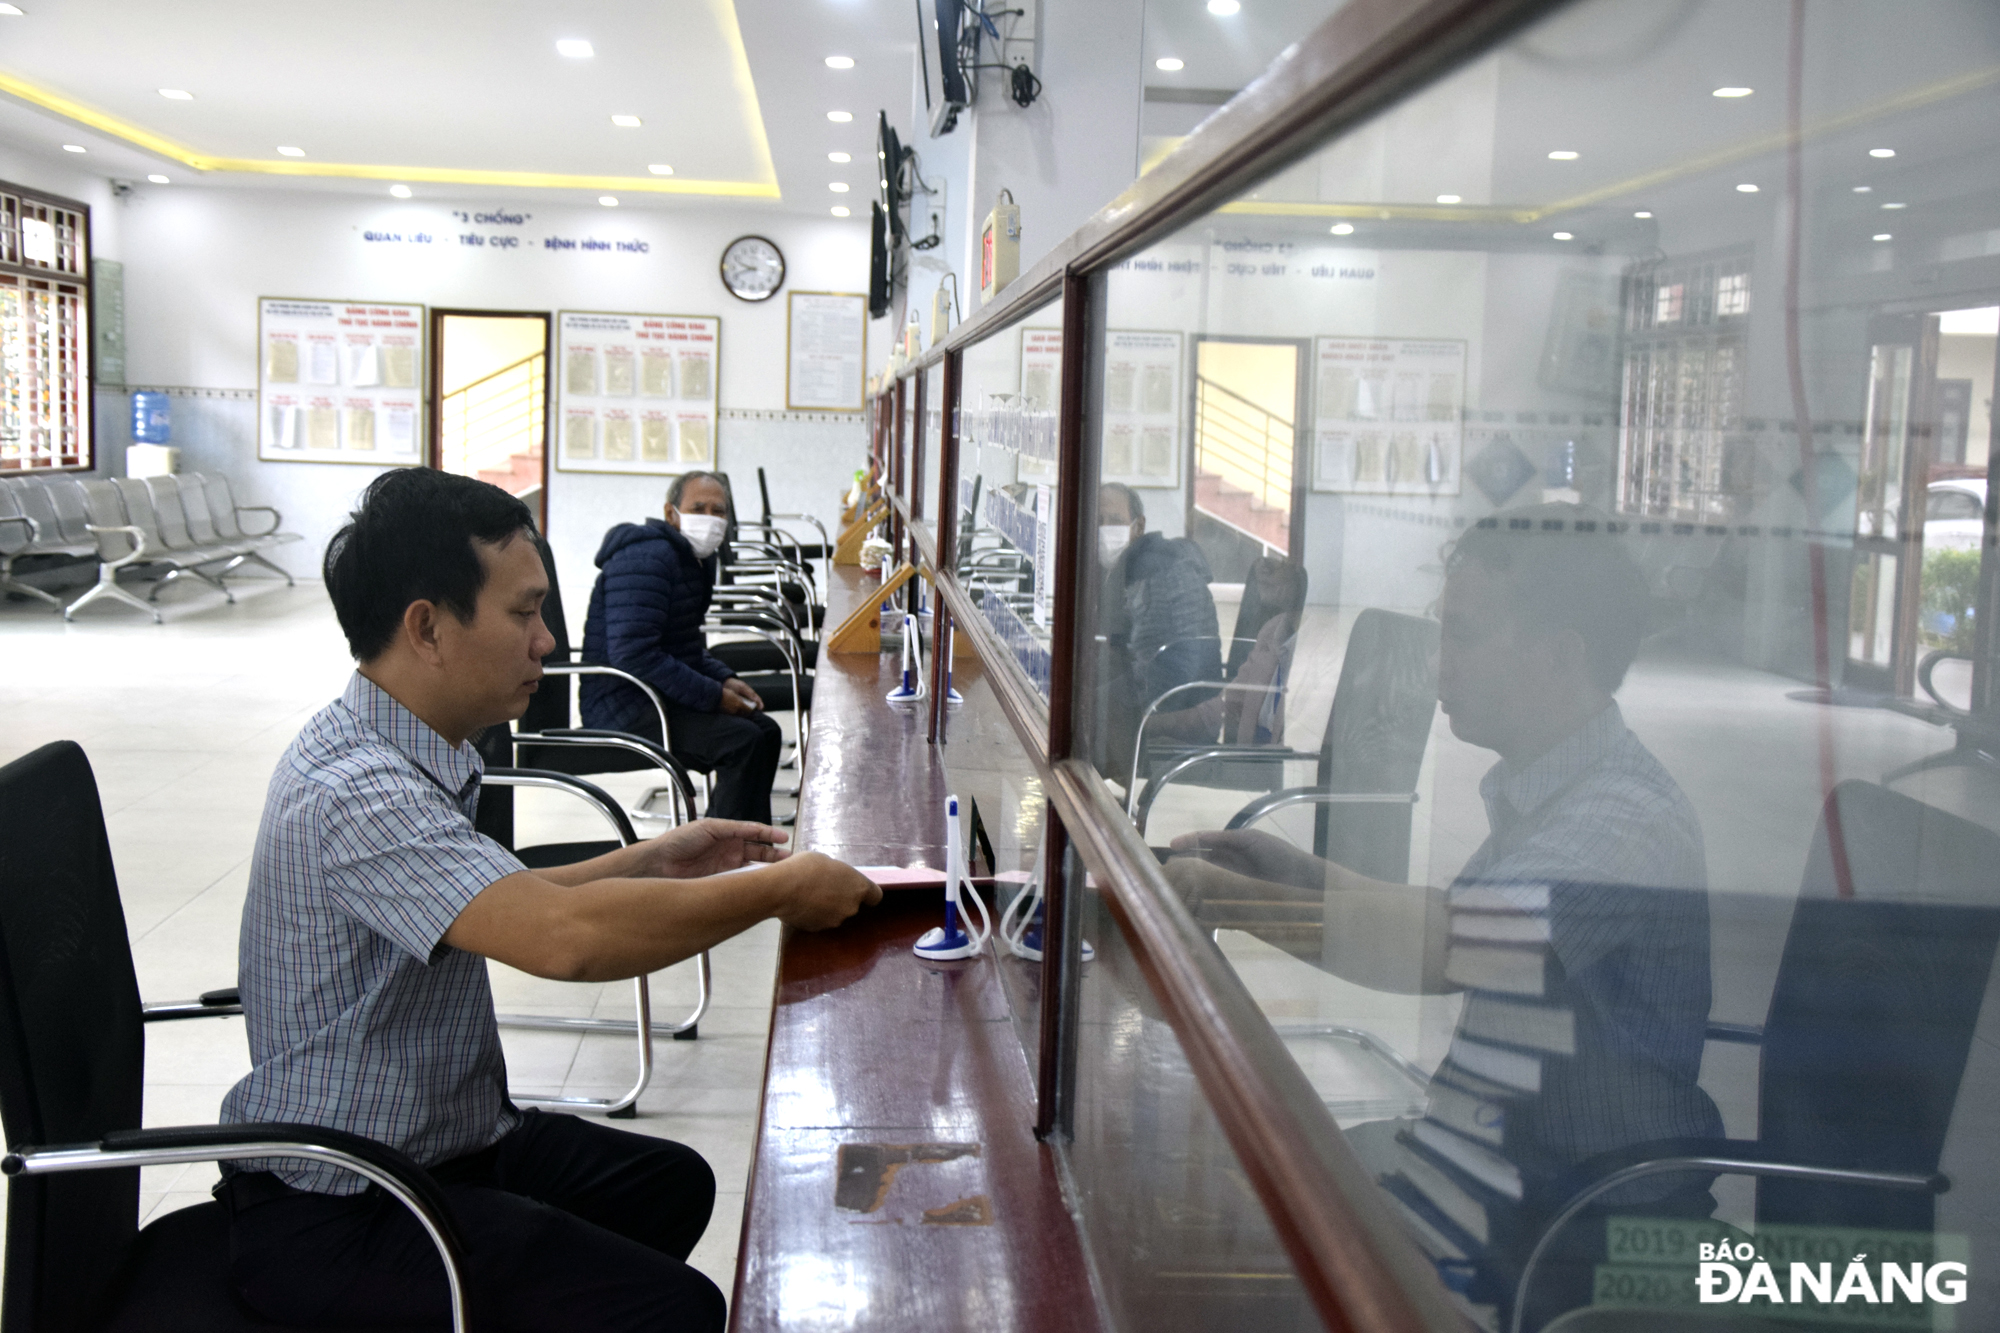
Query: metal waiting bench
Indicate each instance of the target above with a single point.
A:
(186, 526)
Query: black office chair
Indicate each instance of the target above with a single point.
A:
(1368, 759)
(1865, 1043)
(72, 1056)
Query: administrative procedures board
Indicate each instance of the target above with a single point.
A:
(339, 381)
(638, 392)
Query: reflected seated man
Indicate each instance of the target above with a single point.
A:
(654, 585)
(1578, 931)
(1159, 622)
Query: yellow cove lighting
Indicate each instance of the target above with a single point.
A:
(161, 146)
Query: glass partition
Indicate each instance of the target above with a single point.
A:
(1534, 610)
(1007, 483)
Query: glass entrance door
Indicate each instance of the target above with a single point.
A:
(1894, 466)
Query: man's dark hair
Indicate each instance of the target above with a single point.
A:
(411, 539)
(678, 487)
(1133, 507)
(1568, 569)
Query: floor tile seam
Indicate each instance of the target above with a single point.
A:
(194, 898)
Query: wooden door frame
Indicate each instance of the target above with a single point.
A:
(434, 390)
(1295, 530)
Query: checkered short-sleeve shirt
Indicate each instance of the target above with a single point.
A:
(360, 1017)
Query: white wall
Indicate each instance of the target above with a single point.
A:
(197, 260)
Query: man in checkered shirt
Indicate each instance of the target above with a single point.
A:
(372, 909)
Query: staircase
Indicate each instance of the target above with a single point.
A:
(1243, 466)
(493, 427)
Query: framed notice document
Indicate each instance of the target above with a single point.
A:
(1142, 407)
(339, 381)
(636, 393)
(1388, 415)
(826, 345)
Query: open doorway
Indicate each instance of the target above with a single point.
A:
(1920, 518)
(489, 400)
(1246, 500)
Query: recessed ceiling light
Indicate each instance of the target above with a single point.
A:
(12, 11)
(626, 122)
(840, 117)
(1892, 207)
(660, 169)
(177, 94)
(1732, 92)
(1448, 199)
(1563, 155)
(1224, 8)
(1564, 236)
(400, 191)
(74, 148)
(575, 48)
(1864, 189)
(840, 157)
(1881, 152)
(1343, 229)
(1746, 188)
(1171, 64)
(838, 187)
(1642, 213)
(841, 210)
(286, 150)
(158, 179)
(840, 62)
(608, 200)
(1884, 236)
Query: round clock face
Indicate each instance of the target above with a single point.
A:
(752, 269)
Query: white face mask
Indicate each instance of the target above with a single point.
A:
(1113, 538)
(704, 532)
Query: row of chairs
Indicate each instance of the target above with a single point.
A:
(162, 528)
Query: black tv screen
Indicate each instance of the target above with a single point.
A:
(951, 78)
(878, 263)
(889, 175)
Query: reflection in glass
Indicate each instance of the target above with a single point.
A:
(1646, 432)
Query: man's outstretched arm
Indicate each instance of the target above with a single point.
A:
(611, 929)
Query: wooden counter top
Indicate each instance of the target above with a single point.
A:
(896, 1181)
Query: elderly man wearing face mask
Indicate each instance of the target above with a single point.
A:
(1158, 621)
(653, 588)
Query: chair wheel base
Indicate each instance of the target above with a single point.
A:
(624, 1113)
(692, 1032)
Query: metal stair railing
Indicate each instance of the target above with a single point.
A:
(485, 425)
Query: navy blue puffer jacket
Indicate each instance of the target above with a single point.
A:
(645, 617)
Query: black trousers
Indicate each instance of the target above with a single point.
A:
(567, 1224)
(741, 751)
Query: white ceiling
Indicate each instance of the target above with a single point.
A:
(451, 96)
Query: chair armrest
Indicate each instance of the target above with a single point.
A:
(1209, 754)
(1927, 666)
(1741, 1157)
(1290, 796)
(34, 529)
(137, 535)
(1139, 734)
(593, 738)
(223, 1003)
(588, 792)
(599, 669)
(381, 1165)
(277, 519)
(1746, 1034)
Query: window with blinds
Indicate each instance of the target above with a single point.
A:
(1683, 388)
(44, 332)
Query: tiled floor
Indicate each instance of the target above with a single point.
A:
(183, 723)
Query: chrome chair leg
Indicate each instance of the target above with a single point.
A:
(643, 1029)
(109, 588)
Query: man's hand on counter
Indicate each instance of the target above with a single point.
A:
(825, 892)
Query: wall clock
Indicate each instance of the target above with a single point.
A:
(753, 269)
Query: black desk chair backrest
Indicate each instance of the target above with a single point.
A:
(72, 1052)
(1375, 738)
(1877, 995)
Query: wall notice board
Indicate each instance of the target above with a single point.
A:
(637, 393)
(826, 346)
(339, 381)
(1389, 415)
